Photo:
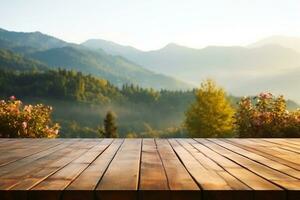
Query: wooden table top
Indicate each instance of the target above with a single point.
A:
(150, 169)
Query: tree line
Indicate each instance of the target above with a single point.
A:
(204, 112)
(80, 102)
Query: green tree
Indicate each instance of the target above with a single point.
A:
(110, 127)
(211, 115)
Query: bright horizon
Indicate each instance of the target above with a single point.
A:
(151, 25)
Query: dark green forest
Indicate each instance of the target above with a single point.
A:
(81, 101)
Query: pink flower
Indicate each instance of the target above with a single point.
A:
(24, 125)
(12, 98)
(266, 95)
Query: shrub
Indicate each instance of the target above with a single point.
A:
(26, 121)
(267, 116)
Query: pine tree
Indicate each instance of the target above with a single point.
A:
(211, 115)
(110, 127)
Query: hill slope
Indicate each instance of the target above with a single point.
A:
(58, 53)
(116, 69)
(15, 62)
(230, 66)
(36, 40)
(192, 64)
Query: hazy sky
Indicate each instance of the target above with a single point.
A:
(151, 24)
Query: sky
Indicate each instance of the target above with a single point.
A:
(151, 24)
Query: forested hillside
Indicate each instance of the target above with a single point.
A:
(35, 40)
(12, 61)
(58, 53)
(116, 69)
(81, 101)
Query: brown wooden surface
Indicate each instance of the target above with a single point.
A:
(150, 169)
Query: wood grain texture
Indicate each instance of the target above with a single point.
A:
(123, 173)
(175, 169)
(181, 184)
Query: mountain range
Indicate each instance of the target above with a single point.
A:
(284, 41)
(56, 53)
(271, 64)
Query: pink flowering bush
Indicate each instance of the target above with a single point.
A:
(26, 121)
(267, 116)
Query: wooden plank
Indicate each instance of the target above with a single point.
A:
(180, 182)
(60, 179)
(253, 147)
(292, 185)
(52, 186)
(84, 185)
(8, 143)
(276, 151)
(27, 168)
(295, 141)
(234, 184)
(52, 165)
(150, 169)
(40, 175)
(24, 149)
(261, 159)
(262, 188)
(26, 160)
(90, 177)
(120, 181)
(262, 170)
(202, 159)
(241, 191)
(12, 178)
(17, 144)
(153, 183)
(47, 162)
(284, 144)
(213, 185)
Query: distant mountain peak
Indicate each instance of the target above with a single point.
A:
(35, 39)
(171, 44)
(173, 47)
(290, 42)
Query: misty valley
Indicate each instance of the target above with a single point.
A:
(83, 83)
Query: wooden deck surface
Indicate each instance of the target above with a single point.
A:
(109, 169)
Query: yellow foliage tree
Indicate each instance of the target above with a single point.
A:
(211, 115)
